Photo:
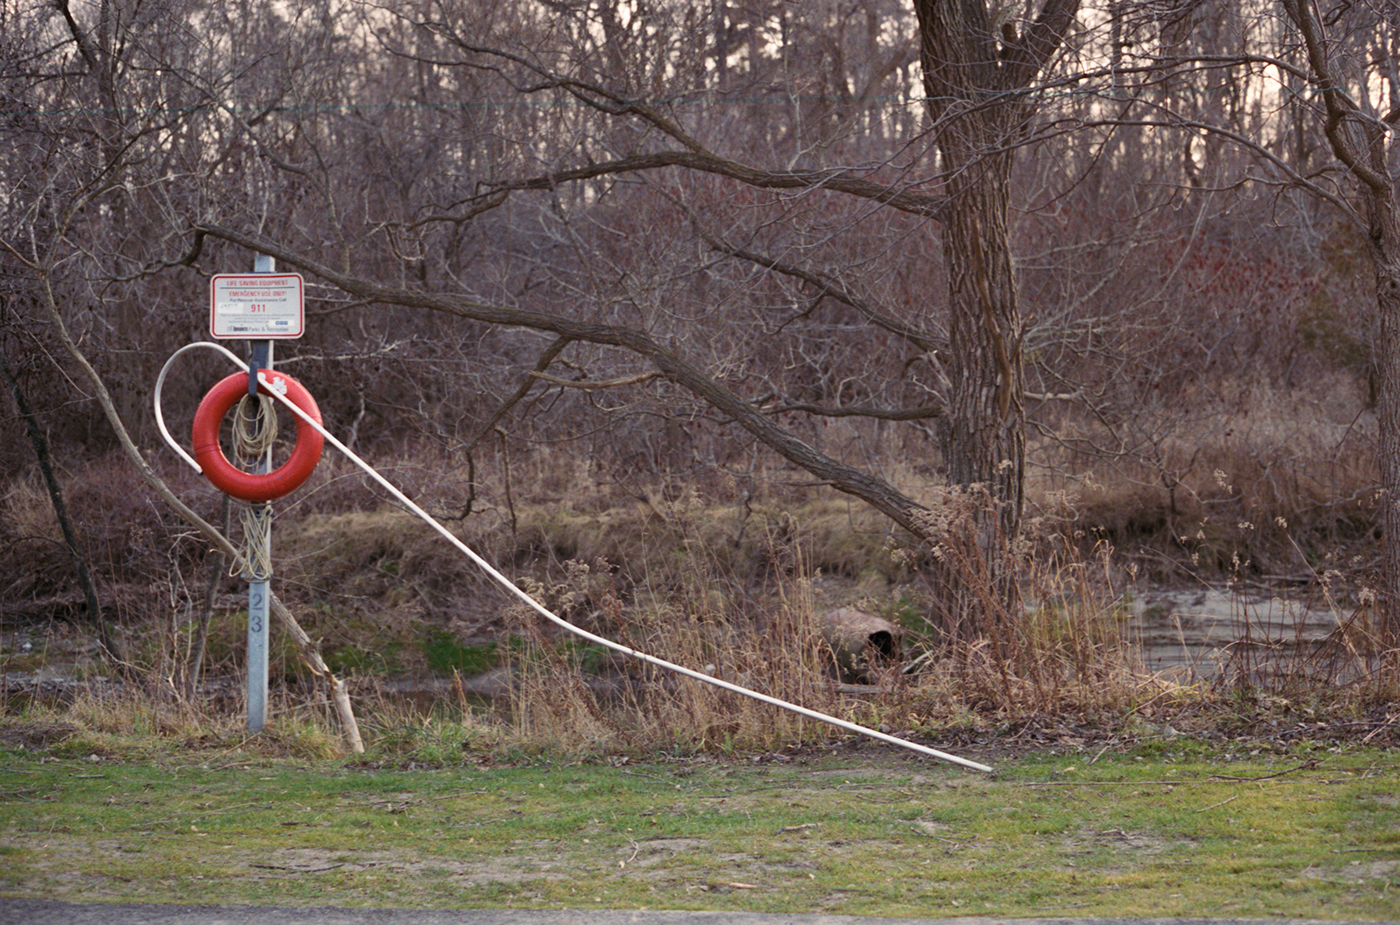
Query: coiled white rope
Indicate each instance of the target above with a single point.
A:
(254, 435)
(540, 608)
(257, 541)
(254, 427)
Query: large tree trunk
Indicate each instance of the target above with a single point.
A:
(1386, 251)
(972, 70)
(982, 435)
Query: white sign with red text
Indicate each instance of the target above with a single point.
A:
(257, 306)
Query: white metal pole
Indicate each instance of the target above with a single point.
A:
(259, 592)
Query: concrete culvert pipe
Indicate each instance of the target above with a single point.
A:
(860, 641)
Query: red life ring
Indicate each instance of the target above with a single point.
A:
(249, 486)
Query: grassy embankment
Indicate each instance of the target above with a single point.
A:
(689, 573)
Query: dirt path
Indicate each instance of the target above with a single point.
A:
(40, 912)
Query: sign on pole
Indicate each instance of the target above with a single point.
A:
(257, 306)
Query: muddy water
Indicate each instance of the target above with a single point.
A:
(1199, 632)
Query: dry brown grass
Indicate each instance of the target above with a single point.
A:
(584, 697)
(1280, 478)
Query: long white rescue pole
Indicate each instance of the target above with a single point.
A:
(616, 646)
(527, 599)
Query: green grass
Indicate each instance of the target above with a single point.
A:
(1305, 834)
(445, 655)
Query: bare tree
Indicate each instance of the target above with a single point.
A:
(978, 77)
(979, 67)
(1351, 58)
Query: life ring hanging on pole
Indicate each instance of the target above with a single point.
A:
(249, 486)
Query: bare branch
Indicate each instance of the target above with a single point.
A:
(872, 489)
(922, 341)
(1023, 60)
(881, 414)
(80, 38)
(841, 180)
(695, 155)
(591, 385)
(1341, 108)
